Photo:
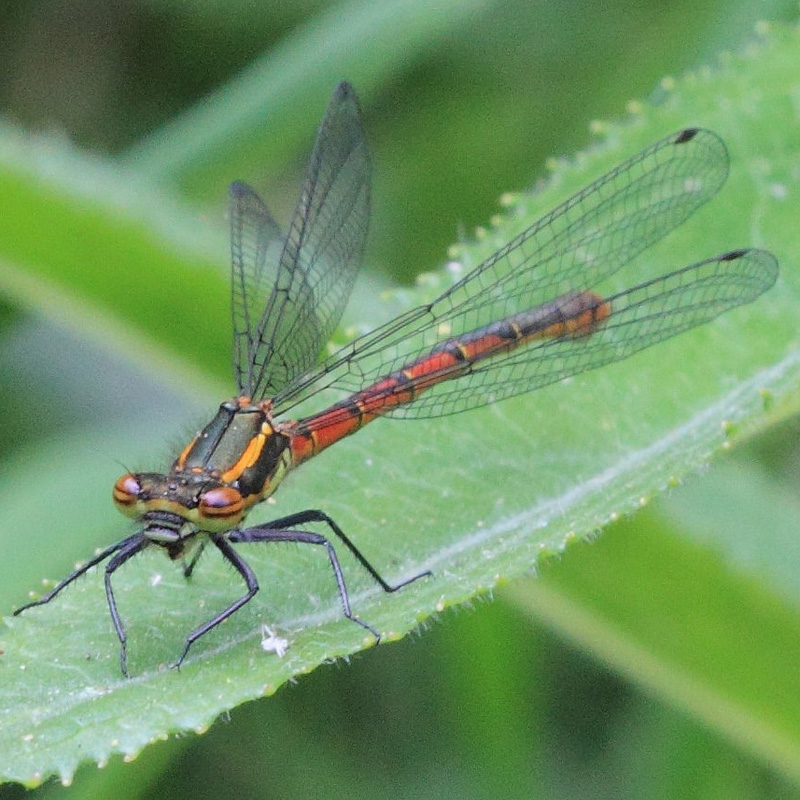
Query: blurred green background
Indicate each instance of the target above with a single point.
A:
(462, 102)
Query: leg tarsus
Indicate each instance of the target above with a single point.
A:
(75, 574)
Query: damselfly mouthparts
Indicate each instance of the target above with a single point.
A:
(524, 318)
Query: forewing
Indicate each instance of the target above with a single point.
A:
(573, 248)
(320, 256)
(256, 243)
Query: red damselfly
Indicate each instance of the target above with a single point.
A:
(526, 317)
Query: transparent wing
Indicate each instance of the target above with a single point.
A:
(289, 292)
(256, 242)
(573, 248)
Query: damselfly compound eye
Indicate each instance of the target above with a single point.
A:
(221, 502)
(126, 494)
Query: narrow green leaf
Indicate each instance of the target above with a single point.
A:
(477, 498)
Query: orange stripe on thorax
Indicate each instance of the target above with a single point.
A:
(249, 456)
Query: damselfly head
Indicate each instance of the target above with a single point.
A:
(207, 504)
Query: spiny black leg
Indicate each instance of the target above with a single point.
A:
(135, 544)
(76, 574)
(312, 515)
(260, 534)
(243, 568)
(189, 568)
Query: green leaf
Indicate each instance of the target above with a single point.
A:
(477, 498)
